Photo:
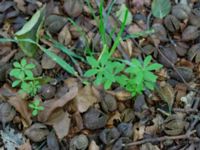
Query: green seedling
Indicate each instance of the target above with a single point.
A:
(105, 70)
(141, 76)
(24, 77)
(35, 106)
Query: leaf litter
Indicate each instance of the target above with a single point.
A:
(81, 116)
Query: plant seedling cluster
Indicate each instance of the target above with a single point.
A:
(28, 84)
(24, 77)
(35, 106)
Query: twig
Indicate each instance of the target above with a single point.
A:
(196, 104)
(174, 68)
(187, 110)
(163, 138)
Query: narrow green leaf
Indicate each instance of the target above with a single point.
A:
(16, 83)
(28, 73)
(30, 66)
(149, 76)
(17, 65)
(35, 112)
(160, 8)
(107, 84)
(59, 61)
(92, 61)
(150, 85)
(154, 66)
(121, 14)
(91, 72)
(147, 60)
(15, 72)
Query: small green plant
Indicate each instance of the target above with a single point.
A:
(24, 77)
(35, 106)
(140, 75)
(105, 70)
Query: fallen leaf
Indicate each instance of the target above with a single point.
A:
(60, 121)
(21, 106)
(51, 105)
(64, 36)
(37, 132)
(149, 146)
(166, 92)
(85, 98)
(25, 146)
(93, 146)
(52, 141)
(115, 116)
(138, 131)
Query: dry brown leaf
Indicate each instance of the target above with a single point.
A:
(138, 132)
(21, 106)
(155, 128)
(61, 122)
(85, 98)
(26, 146)
(121, 94)
(149, 146)
(115, 116)
(93, 146)
(166, 92)
(64, 36)
(20, 5)
(53, 104)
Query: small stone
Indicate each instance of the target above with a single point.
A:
(181, 11)
(171, 23)
(190, 33)
(126, 129)
(94, 119)
(79, 142)
(7, 112)
(109, 103)
(48, 91)
(73, 7)
(108, 136)
(198, 129)
(37, 71)
(170, 54)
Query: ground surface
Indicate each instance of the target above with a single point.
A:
(78, 116)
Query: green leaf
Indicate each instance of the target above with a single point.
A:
(23, 62)
(17, 65)
(91, 72)
(99, 79)
(15, 72)
(104, 58)
(35, 112)
(135, 62)
(15, 83)
(121, 14)
(31, 31)
(59, 61)
(150, 85)
(30, 66)
(132, 70)
(160, 8)
(92, 61)
(107, 84)
(122, 80)
(28, 73)
(109, 76)
(149, 76)
(154, 66)
(147, 60)
(40, 108)
(36, 102)
(30, 105)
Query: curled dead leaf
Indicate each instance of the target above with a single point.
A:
(54, 104)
